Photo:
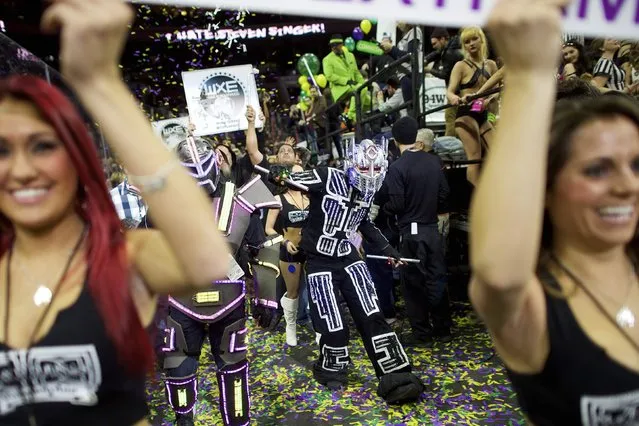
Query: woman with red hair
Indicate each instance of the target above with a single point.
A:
(76, 291)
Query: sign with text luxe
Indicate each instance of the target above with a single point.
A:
(172, 131)
(217, 98)
(599, 18)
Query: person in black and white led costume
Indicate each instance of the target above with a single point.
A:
(219, 311)
(339, 204)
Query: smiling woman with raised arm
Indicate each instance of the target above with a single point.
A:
(559, 293)
(76, 291)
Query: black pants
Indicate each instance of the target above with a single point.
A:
(350, 276)
(425, 284)
(406, 83)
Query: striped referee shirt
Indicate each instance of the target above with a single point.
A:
(616, 76)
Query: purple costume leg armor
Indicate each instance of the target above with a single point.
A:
(218, 311)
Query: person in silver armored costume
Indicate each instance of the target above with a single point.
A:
(219, 311)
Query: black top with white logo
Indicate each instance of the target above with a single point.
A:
(292, 216)
(580, 384)
(70, 377)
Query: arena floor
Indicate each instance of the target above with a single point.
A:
(465, 385)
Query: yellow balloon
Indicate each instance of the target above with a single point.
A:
(366, 26)
(302, 106)
(321, 80)
(302, 80)
(306, 86)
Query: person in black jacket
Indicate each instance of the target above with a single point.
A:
(412, 35)
(418, 191)
(440, 64)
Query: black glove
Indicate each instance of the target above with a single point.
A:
(278, 174)
(267, 318)
(389, 251)
(351, 82)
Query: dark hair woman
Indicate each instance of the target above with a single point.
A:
(575, 60)
(553, 246)
(77, 290)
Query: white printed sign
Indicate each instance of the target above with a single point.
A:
(171, 131)
(435, 96)
(217, 99)
(598, 18)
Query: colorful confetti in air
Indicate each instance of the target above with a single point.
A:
(154, 73)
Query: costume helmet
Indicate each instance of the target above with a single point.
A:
(366, 164)
(200, 160)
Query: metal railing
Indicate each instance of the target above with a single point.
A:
(411, 57)
(470, 99)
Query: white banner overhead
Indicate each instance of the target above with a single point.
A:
(595, 18)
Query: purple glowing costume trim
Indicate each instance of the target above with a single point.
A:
(234, 349)
(202, 168)
(178, 382)
(232, 214)
(171, 343)
(244, 204)
(253, 207)
(246, 389)
(219, 313)
(248, 184)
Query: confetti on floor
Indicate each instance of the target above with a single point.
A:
(465, 385)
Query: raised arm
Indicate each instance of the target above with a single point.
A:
(252, 147)
(497, 259)
(188, 244)
(506, 222)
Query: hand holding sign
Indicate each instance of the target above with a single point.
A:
(250, 114)
(527, 33)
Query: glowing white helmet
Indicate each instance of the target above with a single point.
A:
(366, 164)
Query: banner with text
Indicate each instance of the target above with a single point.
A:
(217, 99)
(251, 33)
(598, 18)
(171, 131)
(435, 90)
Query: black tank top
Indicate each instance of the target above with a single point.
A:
(479, 72)
(71, 375)
(292, 216)
(580, 384)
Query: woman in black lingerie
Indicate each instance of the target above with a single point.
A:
(291, 218)
(468, 77)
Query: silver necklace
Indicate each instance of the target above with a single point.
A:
(43, 294)
(624, 317)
